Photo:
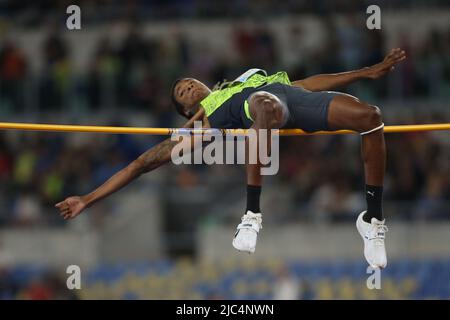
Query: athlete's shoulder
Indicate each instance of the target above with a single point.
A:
(249, 73)
(280, 77)
(259, 75)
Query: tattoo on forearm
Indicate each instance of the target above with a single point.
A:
(157, 155)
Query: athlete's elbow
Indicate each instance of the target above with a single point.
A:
(307, 84)
(315, 87)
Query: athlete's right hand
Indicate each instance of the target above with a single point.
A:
(71, 207)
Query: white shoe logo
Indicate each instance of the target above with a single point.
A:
(371, 193)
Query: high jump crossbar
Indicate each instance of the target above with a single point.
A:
(169, 131)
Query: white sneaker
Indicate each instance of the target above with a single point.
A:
(373, 235)
(247, 232)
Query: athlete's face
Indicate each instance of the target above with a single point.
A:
(189, 92)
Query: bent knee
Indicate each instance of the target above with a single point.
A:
(371, 118)
(267, 110)
(264, 98)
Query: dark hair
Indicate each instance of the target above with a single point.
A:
(178, 106)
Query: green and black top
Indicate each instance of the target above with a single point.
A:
(227, 108)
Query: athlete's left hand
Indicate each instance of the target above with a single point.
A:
(388, 64)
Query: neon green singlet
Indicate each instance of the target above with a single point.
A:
(251, 79)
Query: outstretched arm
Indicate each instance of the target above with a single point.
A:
(148, 161)
(331, 81)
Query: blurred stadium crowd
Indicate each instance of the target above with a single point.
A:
(137, 72)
